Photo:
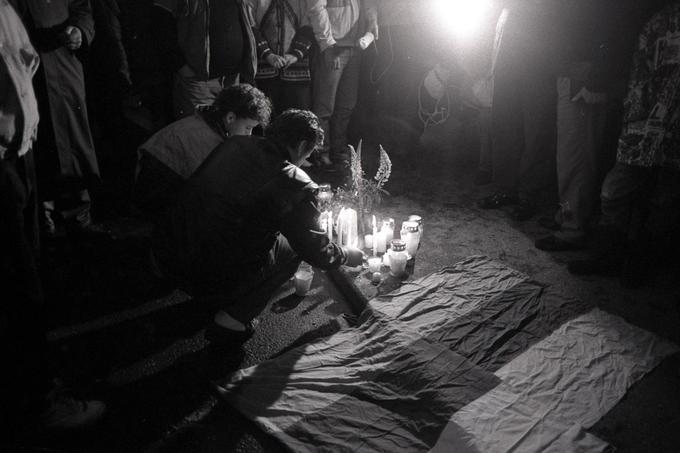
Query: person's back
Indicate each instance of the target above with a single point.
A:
(248, 186)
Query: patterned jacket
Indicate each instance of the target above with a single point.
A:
(284, 29)
(651, 134)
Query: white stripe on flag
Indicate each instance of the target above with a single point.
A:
(566, 381)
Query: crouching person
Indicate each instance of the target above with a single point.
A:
(244, 221)
(170, 156)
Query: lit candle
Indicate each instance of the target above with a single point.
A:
(381, 242)
(368, 240)
(375, 238)
(374, 264)
(329, 225)
(388, 229)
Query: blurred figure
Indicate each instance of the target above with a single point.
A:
(27, 389)
(65, 157)
(244, 221)
(210, 45)
(283, 71)
(584, 78)
(171, 155)
(338, 27)
(523, 113)
(640, 197)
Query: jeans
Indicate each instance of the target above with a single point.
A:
(580, 129)
(335, 92)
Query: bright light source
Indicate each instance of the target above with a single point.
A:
(459, 17)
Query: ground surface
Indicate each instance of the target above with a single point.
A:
(139, 345)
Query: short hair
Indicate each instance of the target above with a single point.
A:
(293, 126)
(245, 101)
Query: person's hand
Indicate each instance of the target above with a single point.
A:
(289, 59)
(72, 37)
(276, 61)
(589, 97)
(331, 57)
(353, 256)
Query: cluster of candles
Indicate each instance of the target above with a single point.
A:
(395, 252)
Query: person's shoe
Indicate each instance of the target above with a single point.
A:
(482, 177)
(497, 200)
(549, 223)
(523, 211)
(552, 243)
(65, 412)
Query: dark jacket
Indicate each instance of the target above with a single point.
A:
(192, 46)
(230, 212)
(63, 82)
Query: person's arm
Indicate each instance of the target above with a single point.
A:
(321, 24)
(370, 10)
(80, 22)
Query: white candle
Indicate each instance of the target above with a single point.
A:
(381, 243)
(368, 240)
(375, 238)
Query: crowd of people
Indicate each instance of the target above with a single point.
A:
(290, 70)
(561, 71)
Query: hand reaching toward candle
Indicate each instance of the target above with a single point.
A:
(353, 256)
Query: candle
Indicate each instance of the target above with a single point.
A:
(374, 264)
(347, 228)
(388, 228)
(368, 240)
(375, 238)
(381, 242)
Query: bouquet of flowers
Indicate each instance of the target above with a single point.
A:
(362, 193)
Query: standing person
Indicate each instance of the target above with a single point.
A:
(66, 162)
(283, 71)
(523, 112)
(245, 220)
(26, 390)
(640, 196)
(210, 45)
(338, 27)
(583, 80)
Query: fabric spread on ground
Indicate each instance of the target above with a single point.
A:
(474, 358)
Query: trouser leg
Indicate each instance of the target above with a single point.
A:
(578, 141)
(252, 295)
(346, 100)
(506, 133)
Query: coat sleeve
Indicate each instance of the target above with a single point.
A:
(302, 42)
(300, 226)
(321, 24)
(80, 15)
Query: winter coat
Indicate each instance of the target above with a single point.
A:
(193, 29)
(64, 84)
(19, 112)
(341, 22)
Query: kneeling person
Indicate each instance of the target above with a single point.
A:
(170, 156)
(245, 219)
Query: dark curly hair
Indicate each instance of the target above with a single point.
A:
(293, 126)
(245, 101)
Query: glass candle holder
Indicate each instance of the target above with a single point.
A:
(374, 264)
(398, 258)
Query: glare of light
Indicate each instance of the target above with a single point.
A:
(459, 17)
